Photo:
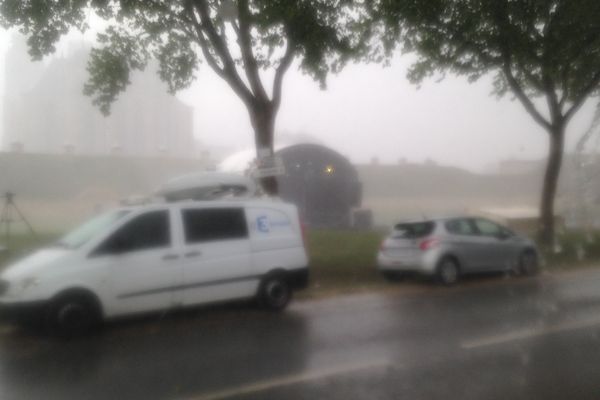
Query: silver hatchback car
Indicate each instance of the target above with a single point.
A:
(446, 248)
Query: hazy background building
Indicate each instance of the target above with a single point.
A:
(45, 110)
(416, 153)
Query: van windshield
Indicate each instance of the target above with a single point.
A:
(412, 230)
(88, 230)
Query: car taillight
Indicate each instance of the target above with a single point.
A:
(428, 243)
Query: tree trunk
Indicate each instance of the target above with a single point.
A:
(547, 222)
(262, 117)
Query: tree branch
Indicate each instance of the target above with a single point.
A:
(518, 91)
(210, 60)
(504, 40)
(552, 99)
(593, 85)
(573, 61)
(564, 85)
(204, 46)
(245, 43)
(284, 64)
(229, 71)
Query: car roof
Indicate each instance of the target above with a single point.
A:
(440, 218)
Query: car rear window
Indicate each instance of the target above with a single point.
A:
(413, 230)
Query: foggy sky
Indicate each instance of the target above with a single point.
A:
(370, 111)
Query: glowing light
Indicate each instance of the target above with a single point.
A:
(329, 169)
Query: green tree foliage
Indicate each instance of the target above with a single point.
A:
(242, 41)
(545, 50)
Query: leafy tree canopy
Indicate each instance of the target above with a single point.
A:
(536, 48)
(238, 39)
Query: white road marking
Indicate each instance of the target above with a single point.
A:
(311, 375)
(530, 333)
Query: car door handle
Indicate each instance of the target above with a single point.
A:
(169, 257)
(193, 254)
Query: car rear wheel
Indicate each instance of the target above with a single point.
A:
(448, 271)
(275, 293)
(528, 263)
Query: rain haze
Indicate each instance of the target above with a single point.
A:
(368, 111)
(383, 240)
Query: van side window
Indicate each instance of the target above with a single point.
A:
(210, 224)
(146, 231)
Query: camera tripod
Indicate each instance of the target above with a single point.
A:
(11, 214)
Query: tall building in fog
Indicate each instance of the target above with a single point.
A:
(45, 111)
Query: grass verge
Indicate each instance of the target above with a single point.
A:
(344, 261)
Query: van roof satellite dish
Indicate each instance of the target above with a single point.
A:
(207, 186)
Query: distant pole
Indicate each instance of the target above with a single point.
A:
(6, 219)
(11, 213)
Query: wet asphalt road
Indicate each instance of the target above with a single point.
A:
(490, 339)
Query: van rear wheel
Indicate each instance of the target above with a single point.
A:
(275, 293)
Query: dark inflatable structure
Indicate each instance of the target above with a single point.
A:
(322, 183)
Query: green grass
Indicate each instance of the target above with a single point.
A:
(344, 261)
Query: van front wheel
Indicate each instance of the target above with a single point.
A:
(275, 293)
(71, 316)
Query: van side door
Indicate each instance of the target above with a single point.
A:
(142, 268)
(216, 255)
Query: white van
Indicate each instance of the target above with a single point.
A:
(157, 257)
